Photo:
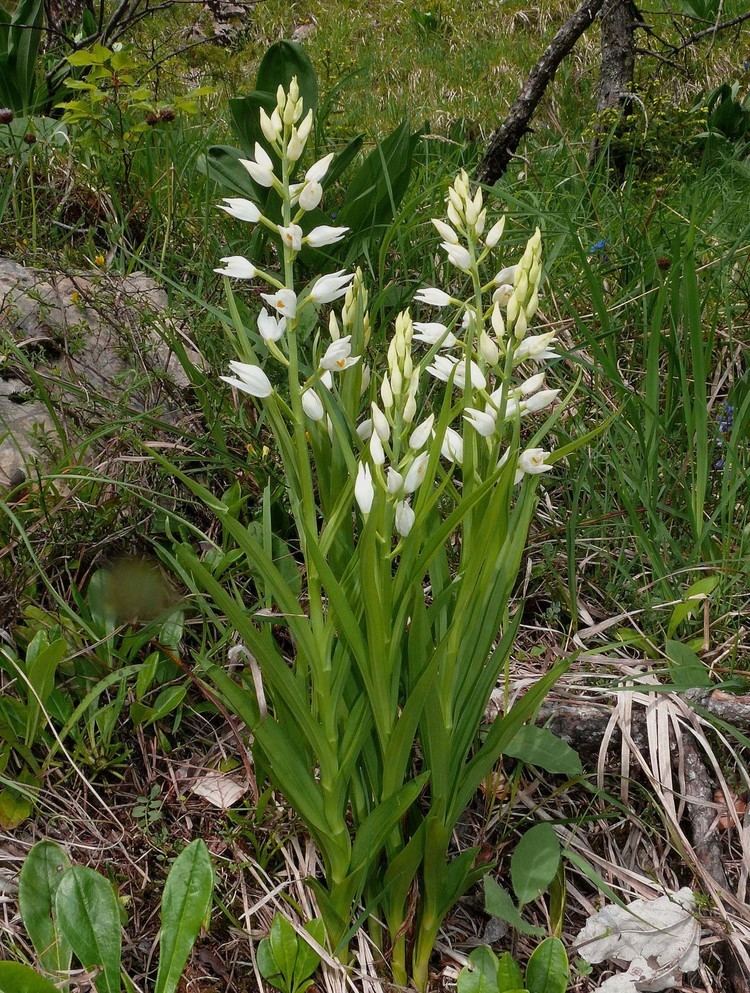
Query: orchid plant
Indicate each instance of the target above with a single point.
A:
(412, 495)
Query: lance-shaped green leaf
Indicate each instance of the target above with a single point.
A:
(40, 877)
(185, 904)
(88, 913)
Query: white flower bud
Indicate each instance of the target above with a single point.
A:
(313, 405)
(268, 128)
(394, 481)
(445, 231)
(421, 433)
(410, 409)
(364, 491)
(488, 349)
(531, 385)
(364, 430)
(310, 196)
(454, 216)
(404, 518)
(521, 325)
(295, 146)
(377, 454)
(498, 324)
(495, 233)
(386, 393)
(380, 422)
(417, 471)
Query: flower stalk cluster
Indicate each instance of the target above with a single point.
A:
(370, 727)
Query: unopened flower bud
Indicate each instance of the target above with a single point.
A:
(380, 422)
(377, 454)
(295, 147)
(488, 349)
(498, 324)
(333, 327)
(386, 393)
(397, 381)
(267, 127)
(495, 233)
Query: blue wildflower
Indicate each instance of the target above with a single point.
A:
(598, 246)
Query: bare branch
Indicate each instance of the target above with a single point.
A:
(506, 139)
(714, 29)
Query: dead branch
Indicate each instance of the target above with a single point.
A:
(506, 139)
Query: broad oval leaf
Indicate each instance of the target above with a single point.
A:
(185, 903)
(88, 915)
(17, 978)
(534, 862)
(547, 970)
(540, 747)
(40, 877)
(283, 60)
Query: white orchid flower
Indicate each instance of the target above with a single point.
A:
(502, 295)
(433, 296)
(532, 462)
(338, 355)
(380, 422)
(261, 167)
(443, 366)
(270, 328)
(488, 349)
(364, 429)
(421, 433)
(540, 400)
(377, 453)
(394, 481)
(291, 236)
(535, 347)
(325, 235)
(532, 384)
(317, 171)
(237, 267)
(241, 208)
(452, 447)
(483, 421)
(506, 275)
(283, 302)
(249, 379)
(434, 333)
(458, 255)
(328, 288)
